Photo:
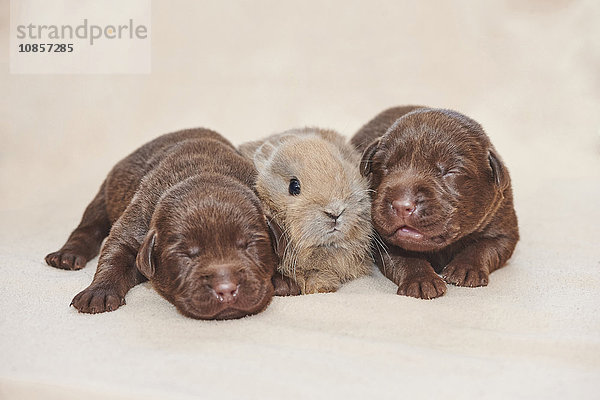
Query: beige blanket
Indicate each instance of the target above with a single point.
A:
(527, 71)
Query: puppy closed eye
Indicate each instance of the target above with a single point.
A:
(446, 171)
(243, 243)
(249, 242)
(193, 252)
(452, 172)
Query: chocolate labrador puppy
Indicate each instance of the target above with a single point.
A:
(180, 212)
(442, 199)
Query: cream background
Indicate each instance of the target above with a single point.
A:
(527, 71)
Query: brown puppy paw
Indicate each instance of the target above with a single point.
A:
(465, 275)
(66, 259)
(285, 286)
(97, 299)
(423, 287)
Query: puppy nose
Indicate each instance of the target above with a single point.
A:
(224, 284)
(226, 291)
(404, 207)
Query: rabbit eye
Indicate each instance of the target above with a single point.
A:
(294, 187)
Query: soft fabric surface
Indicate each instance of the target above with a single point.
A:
(527, 71)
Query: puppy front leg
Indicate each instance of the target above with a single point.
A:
(117, 271)
(116, 274)
(473, 264)
(415, 277)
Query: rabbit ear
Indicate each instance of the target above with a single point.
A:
(367, 157)
(263, 154)
(249, 148)
(145, 257)
(278, 238)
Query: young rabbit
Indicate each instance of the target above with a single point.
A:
(318, 207)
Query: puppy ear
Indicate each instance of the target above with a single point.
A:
(367, 157)
(278, 238)
(145, 257)
(499, 171)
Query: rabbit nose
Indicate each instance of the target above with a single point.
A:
(334, 216)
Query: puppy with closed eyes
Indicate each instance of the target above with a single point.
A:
(180, 212)
(442, 199)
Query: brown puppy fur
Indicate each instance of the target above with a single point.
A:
(442, 199)
(181, 213)
(323, 230)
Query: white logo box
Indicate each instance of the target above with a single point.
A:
(80, 37)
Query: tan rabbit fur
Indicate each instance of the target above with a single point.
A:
(323, 232)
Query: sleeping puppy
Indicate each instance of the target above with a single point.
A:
(442, 199)
(181, 213)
